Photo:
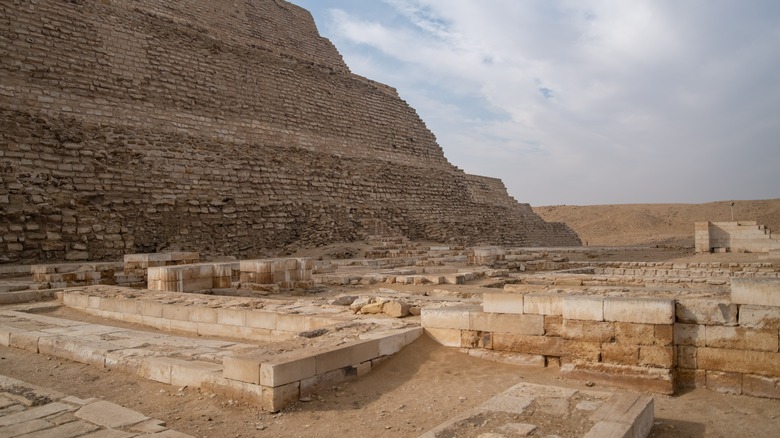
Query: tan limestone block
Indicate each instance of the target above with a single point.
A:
(756, 291)
(543, 304)
(502, 302)
(654, 356)
(639, 310)
(507, 323)
(583, 307)
(759, 386)
(634, 334)
(741, 338)
(455, 317)
(686, 357)
(589, 331)
(542, 345)
(727, 383)
(740, 361)
(446, 337)
(706, 311)
(553, 325)
(620, 354)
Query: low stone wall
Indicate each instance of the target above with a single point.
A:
(595, 338)
(655, 344)
(137, 264)
(731, 345)
(285, 273)
(240, 371)
(191, 278)
(61, 275)
(239, 323)
(288, 376)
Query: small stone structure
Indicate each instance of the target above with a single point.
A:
(727, 343)
(740, 236)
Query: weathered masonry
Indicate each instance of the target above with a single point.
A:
(741, 236)
(222, 127)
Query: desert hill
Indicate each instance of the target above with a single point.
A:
(654, 224)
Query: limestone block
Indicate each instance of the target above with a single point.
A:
(553, 325)
(184, 326)
(25, 340)
(685, 378)
(582, 350)
(76, 350)
(634, 334)
(543, 304)
(507, 323)
(362, 351)
(686, 356)
(640, 378)
(654, 356)
(620, 354)
(476, 339)
(739, 361)
(235, 317)
(175, 311)
(455, 317)
(192, 372)
(583, 307)
(284, 369)
(393, 341)
(75, 299)
(223, 330)
(758, 386)
(291, 323)
(327, 380)
(333, 359)
(396, 309)
(156, 368)
(259, 319)
(663, 334)
(727, 383)
(276, 398)
(761, 317)
(150, 308)
(109, 415)
(589, 331)
(741, 338)
(756, 291)
(502, 302)
(611, 429)
(543, 345)
(633, 409)
(445, 336)
(689, 334)
(706, 311)
(639, 310)
(203, 314)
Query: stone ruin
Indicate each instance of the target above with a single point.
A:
(651, 327)
(737, 236)
(149, 126)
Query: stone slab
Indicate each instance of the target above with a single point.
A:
(109, 415)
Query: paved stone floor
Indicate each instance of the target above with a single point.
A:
(27, 410)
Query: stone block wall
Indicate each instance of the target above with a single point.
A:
(740, 236)
(655, 344)
(145, 126)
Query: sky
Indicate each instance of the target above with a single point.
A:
(583, 102)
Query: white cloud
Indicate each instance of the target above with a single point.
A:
(587, 101)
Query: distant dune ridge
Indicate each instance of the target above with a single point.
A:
(655, 224)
